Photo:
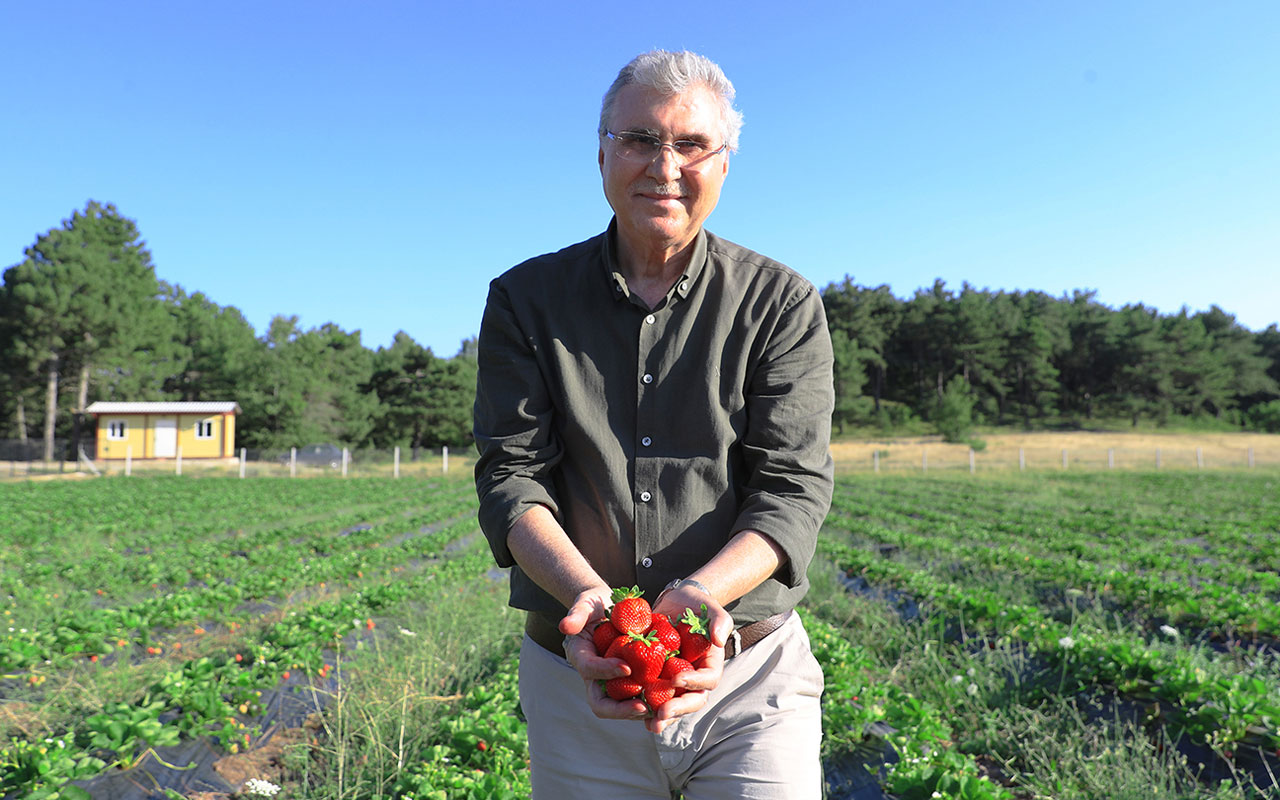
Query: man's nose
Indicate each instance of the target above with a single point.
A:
(665, 165)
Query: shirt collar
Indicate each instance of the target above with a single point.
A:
(682, 287)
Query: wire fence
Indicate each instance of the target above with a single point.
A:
(28, 462)
(1061, 451)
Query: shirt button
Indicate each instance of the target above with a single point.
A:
(646, 441)
(645, 497)
(650, 319)
(647, 378)
(684, 286)
(646, 562)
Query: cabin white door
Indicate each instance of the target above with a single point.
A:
(166, 429)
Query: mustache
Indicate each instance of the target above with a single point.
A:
(665, 189)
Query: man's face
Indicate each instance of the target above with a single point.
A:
(660, 205)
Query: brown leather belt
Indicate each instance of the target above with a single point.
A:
(546, 632)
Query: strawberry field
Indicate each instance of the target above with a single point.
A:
(1039, 635)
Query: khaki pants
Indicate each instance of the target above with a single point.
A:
(757, 737)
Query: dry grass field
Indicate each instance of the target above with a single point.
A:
(1003, 451)
(1083, 450)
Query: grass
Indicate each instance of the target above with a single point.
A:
(391, 698)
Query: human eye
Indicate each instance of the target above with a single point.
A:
(638, 141)
(690, 148)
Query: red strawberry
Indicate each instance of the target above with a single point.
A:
(615, 647)
(694, 633)
(645, 655)
(603, 636)
(631, 612)
(667, 633)
(623, 688)
(674, 666)
(658, 692)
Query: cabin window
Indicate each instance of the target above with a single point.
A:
(204, 429)
(117, 429)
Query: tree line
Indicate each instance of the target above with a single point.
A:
(1028, 359)
(84, 317)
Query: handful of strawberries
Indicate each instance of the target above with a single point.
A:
(656, 648)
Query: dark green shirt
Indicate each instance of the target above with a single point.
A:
(656, 435)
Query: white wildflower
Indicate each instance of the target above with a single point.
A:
(972, 690)
(1066, 643)
(1169, 630)
(971, 672)
(957, 679)
(407, 632)
(256, 787)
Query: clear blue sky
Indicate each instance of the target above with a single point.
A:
(375, 164)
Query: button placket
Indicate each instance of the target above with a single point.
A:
(648, 511)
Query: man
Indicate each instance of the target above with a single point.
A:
(653, 408)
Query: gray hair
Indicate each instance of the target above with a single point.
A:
(673, 74)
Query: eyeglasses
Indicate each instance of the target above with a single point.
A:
(643, 148)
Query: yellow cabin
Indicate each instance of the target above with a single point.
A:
(162, 430)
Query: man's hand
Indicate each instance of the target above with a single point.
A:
(697, 683)
(590, 608)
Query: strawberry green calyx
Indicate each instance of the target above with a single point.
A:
(621, 593)
(650, 638)
(698, 623)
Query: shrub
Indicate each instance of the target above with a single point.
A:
(954, 419)
(1264, 418)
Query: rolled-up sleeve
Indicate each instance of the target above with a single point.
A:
(513, 426)
(787, 446)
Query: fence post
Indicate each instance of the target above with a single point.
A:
(970, 460)
(1199, 458)
(444, 458)
(177, 464)
(293, 462)
(875, 460)
(1111, 458)
(346, 458)
(128, 461)
(1250, 456)
(924, 460)
(243, 454)
(1022, 459)
(395, 470)
(1064, 458)
(1157, 458)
